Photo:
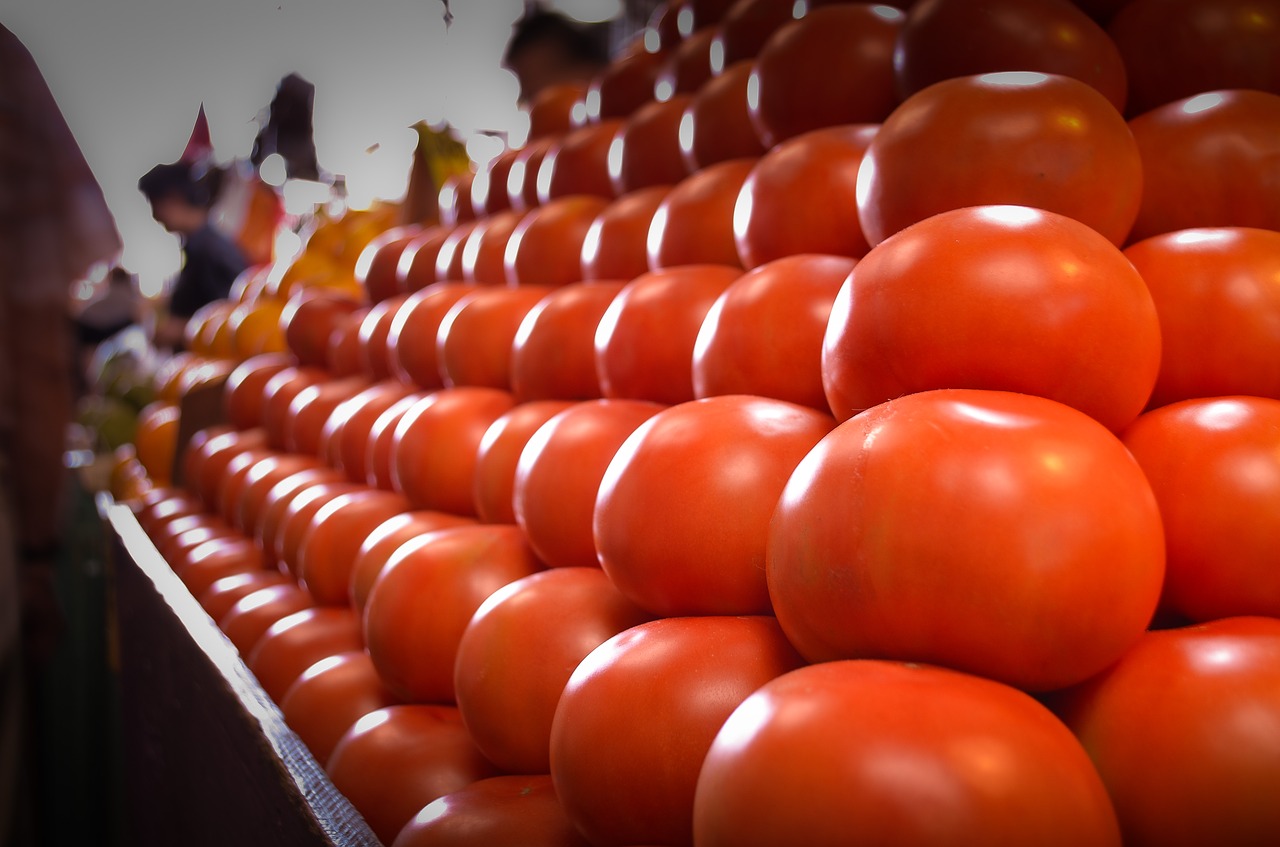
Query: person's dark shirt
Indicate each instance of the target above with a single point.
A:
(212, 261)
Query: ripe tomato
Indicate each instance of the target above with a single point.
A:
(888, 751)
(396, 760)
(344, 442)
(687, 65)
(646, 148)
(1214, 466)
(1219, 307)
(833, 66)
(449, 259)
(546, 248)
(333, 536)
(234, 479)
(380, 458)
(242, 398)
(505, 809)
(489, 188)
(801, 197)
(625, 752)
(941, 39)
(417, 268)
(331, 695)
(297, 641)
(475, 337)
(694, 223)
(498, 453)
(748, 25)
(223, 592)
(577, 163)
(1205, 697)
(1208, 160)
(296, 518)
(1032, 139)
(253, 614)
(424, 597)
(278, 394)
(485, 247)
(997, 533)
(205, 472)
(624, 86)
(261, 477)
(275, 506)
(382, 542)
(411, 343)
(787, 301)
(553, 352)
(375, 362)
(308, 320)
(644, 341)
(556, 110)
(522, 179)
(615, 247)
(376, 267)
(310, 409)
(454, 200)
(709, 472)
(206, 563)
(559, 472)
(518, 652)
(343, 356)
(717, 126)
(1029, 301)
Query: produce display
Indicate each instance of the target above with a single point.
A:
(838, 424)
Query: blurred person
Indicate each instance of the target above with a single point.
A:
(547, 48)
(115, 309)
(54, 225)
(181, 195)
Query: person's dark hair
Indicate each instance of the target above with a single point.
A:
(182, 179)
(577, 41)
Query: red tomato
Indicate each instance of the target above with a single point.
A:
(640, 712)
(624, 86)
(396, 760)
(997, 533)
(234, 479)
(485, 247)
(801, 197)
(645, 151)
(499, 810)
(615, 247)
(1176, 48)
(489, 188)
(1214, 466)
(1208, 160)
(209, 468)
(694, 15)
(717, 125)
(380, 457)
(165, 503)
(297, 641)
(275, 506)
(748, 25)
(375, 361)
(709, 472)
(343, 355)
(890, 752)
(1219, 309)
(417, 267)
(332, 538)
(435, 446)
(308, 320)
(518, 652)
(661, 32)
(382, 542)
(253, 614)
(644, 341)
(454, 201)
(1205, 698)
(206, 563)
(559, 473)
(499, 452)
(546, 248)
(425, 596)
(694, 223)
(344, 442)
(449, 259)
(1000, 297)
(331, 695)
(1031, 139)
(278, 393)
(578, 164)
(787, 301)
(296, 518)
(475, 337)
(260, 480)
(522, 180)
(311, 408)
(223, 593)
(192, 458)
(242, 398)
(941, 39)
(687, 65)
(411, 343)
(556, 110)
(833, 66)
(376, 267)
(553, 353)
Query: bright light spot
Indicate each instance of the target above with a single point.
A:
(1222, 415)
(1010, 215)
(664, 90)
(302, 196)
(684, 21)
(589, 11)
(753, 91)
(742, 209)
(372, 721)
(578, 113)
(272, 170)
(744, 724)
(657, 228)
(685, 131)
(288, 244)
(1012, 78)
(1199, 236)
(799, 9)
(990, 417)
(591, 243)
(613, 159)
(717, 55)
(889, 13)
(1202, 102)
(652, 41)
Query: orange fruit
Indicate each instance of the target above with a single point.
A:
(156, 441)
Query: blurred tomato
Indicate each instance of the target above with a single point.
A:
(499, 452)
(343, 355)
(308, 320)
(253, 614)
(615, 247)
(381, 543)
(449, 257)
(522, 179)
(454, 200)
(546, 247)
(278, 395)
(243, 398)
(331, 695)
(553, 353)
(261, 477)
(624, 85)
(205, 463)
(223, 592)
(645, 151)
(578, 163)
(474, 339)
(485, 247)
(556, 110)
(417, 267)
(333, 536)
(296, 518)
(748, 25)
(717, 125)
(379, 460)
(499, 810)
(235, 477)
(206, 563)
(411, 343)
(687, 65)
(275, 504)
(376, 267)
(489, 188)
(694, 223)
(375, 361)
(297, 641)
(311, 407)
(344, 442)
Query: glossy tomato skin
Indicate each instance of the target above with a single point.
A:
(1219, 311)
(489, 188)
(499, 810)
(242, 393)
(625, 753)
(624, 86)
(1205, 697)
(345, 439)
(499, 452)
(578, 163)
(546, 247)
(309, 411)
(1041, 140)
(376, 266)
(747, 26)
(382, 542)
(996, 533)
(687, 66)
(522, 179)
(886, 751)
(223, 593)
(252, 615)
(296, 642)
(995, 297)
(694, 223)
(454, 199)
(1214, 466)
(485, 247)
(417, 267)
(332, 538)
(553, 112)
(716, 125)
(411, 342)
(708, 473)
(1208, 161)
(330, 696)
(474, 340)
(645, 151)
(616, 245)
(553, 352)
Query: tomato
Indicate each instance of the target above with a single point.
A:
(694, 223)
(577, 163)
(788, 301)
(498, 453)
(242, 397)
(375, 361)
(997, 533)
(1214, 466)
(396, 760)
(311, 408)
(181, 537)
(553, 352)
(206, 563)
(381, 543)
(274, 503)
(801, 197)
(645, 151)
(261, 477)
(424, 597)
(297, 515)
(417, 268)
(489, 188)
(747, 27)
(1000, 297)
(501, 811)
(253, 614)
(344, 441)
(223, 592)
(624, 86)
(644, 341)
(522, 179)
(475, 337)
(235, 477)
(380, 459)
(485, 247)
(556, 110)
(297, 641)
(546, 248)
(833, 66)
(376, 268)
(941, 39)
(205, 473)
(308, 320)
(559, 472)
(1219, 307)
(717, 126)
(333, 536)
(874, 752)
(625, 752)
(519, 650)
(687, 65)
(435, 446)
(454, 199)
(278, 394)
(1208, 160)
(1206, 698)
(694, 15)
(1023, 138)
(343, 355)
(660, 32)
(331, 695)
(449, 259)
(615, 247)
(411, 343)
(1178, 48)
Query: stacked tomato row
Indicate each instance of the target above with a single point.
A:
(834, 426)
